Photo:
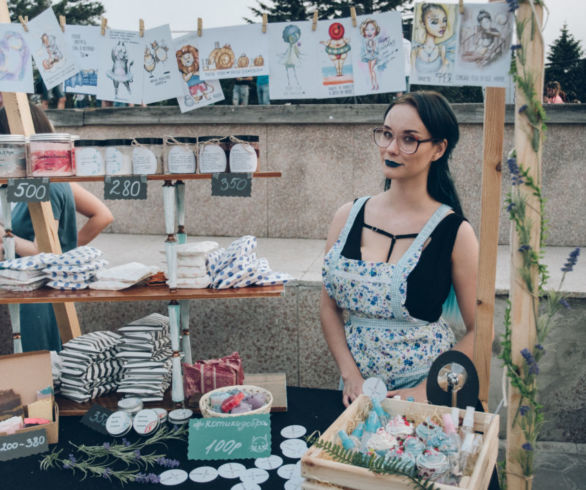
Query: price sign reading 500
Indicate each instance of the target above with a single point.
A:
(28, 190)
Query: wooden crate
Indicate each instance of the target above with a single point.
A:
(321, 471)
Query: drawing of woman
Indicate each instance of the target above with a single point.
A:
(337, 47)
(292, 56)
(429, 53)
(486, 43)
(369, 53)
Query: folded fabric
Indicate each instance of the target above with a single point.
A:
(243, 246)
(26, 287)
(67, 285)
(95, 265)
(272, 278)
(22, 282)
(20, 275)
(239, 270)
(196, 248)
(213, 260)
(194, 282)
(78, 256)
(191, 261)
(132, 272)
(109, 285)
(186, 272)
(70, 276)
(32, 262)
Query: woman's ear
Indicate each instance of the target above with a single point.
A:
(441, 147)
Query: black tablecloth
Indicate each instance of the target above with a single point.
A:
(314, 409)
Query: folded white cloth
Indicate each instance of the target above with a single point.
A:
(191, 260)
(132, 272)
(196, 248)
(20, 275)
(194, 282)
(187, 272)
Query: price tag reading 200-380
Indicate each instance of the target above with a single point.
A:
(23, 444)
(125, 187)
(28, 190)
(236, 184)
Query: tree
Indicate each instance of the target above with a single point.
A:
(565, 64)
(280, 11)
(78, 12)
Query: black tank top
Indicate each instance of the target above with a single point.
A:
(429, 283)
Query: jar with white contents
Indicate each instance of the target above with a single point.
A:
(12, 155)
(179, 155)
(89, 157)
(118, 156)
(147, 156)
(213, 154)
(244, 153)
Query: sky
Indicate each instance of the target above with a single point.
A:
(182, 15)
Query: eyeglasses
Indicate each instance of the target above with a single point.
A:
(406, 143)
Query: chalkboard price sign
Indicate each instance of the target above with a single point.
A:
(95, 418)
(236, 184)
(28, 190)
(125, 187)
(23, 444)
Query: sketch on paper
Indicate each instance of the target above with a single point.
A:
(433, 44)
(121, 71)
(16, 71)
(196, 92)
(83, 41)
(484, 45)
(292, 55)
(378, 66)
(337, 77)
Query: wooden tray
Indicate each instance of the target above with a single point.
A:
(321, 471)
(276, 383)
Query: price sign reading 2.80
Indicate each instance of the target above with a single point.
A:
(125, 187)
(236, 184)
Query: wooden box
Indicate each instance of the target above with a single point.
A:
(321, 471)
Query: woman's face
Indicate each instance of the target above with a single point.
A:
(436, 22)
(485, 23)
(369, 30)
(403, 121)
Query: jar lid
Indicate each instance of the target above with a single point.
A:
(162, 413)
(118, 424)
(183, 139)
(130, 404)
(89, 143)
(146, 422)
(246, 137)
(222, 139)
(150, 141)
(12, 138)
(118, 142)
(180, 415)
(50, 137)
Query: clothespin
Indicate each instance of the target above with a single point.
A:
(24, 22)
(62, 22)
(353, 15)
(265, 19)
(199, 26)
(141, 27)
(461, 2)
(314, 22)
(103, 26)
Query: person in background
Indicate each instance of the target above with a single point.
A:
(407, 54)
(57, 94)
(38, 325)
(262, 90)
(552, 93)
(241, 90)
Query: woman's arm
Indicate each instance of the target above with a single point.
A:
(333, 324)
(22, 246)
(98, 214)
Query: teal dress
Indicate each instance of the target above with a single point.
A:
(38, 326)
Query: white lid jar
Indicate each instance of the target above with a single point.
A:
(244, 153)
(89, 157)
(147, 156)
(212, 155)
(50, 154)
(118, 156)
(12, 155)
(179, 155)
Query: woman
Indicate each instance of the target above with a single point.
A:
(392, 259)
(38, 325)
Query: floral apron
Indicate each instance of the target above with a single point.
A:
(383, 338)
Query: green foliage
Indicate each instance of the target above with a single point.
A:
(78, 12)
(565, 64)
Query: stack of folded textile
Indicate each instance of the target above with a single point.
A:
(123, 276)
(145, 353)
(191, 264)
(75, 269)
(89, 367)
(25, 273)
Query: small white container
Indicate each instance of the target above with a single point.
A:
(12, 155)
(147, 156)
(146, 422)
(118, 156)
(212, 156)
(132, 405)
(179, 155)
(119, 424)
(89, 157)
(244, 153)
(180, 416)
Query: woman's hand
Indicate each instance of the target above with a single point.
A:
(352, 389)
(419, 393)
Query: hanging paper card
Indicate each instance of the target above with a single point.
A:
(484, 48)
(83, 41)
(50, 49)
(433, 45)
(161, 80)
(195, 91)
(228, 52)
(247, 436)
(293, 64)
(120, 67)
(16, 68)
(378, 60)
(333, 49)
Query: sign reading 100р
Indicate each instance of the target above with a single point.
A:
(28, 190)
(125, 187)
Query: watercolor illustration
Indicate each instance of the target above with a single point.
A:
(14, 57)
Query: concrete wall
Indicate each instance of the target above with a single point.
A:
(326, 156)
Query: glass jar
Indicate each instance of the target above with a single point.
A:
(89, 157)
(147, 156)
(179, 155)
(213, 154)
(118, 156)
(50, 155)
(12, 155)
(244, 153)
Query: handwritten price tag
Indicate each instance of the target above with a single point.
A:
(28, 190)
(23, 444)
(125, 187)
(236, 185)
(95, 418)
(248, 436)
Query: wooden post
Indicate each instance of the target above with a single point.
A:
(20, 122)
(523, 332)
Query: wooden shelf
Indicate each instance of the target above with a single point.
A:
(100, 178)
(136, 293)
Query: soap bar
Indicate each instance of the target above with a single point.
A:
(232, 402)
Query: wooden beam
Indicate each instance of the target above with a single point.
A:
(523, 302)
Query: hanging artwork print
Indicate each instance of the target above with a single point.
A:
(83, 41)
(195, 91)
(335, 58)
(378, 65)
(293, 64)
(229, 52)
(16, 68)
(50, 49)
(160, 77)
(484, 53)
(433, 44)
(120, 67)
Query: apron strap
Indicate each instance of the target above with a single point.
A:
(350, 221)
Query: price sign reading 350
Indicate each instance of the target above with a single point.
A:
(125, 187)
(236, 184)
